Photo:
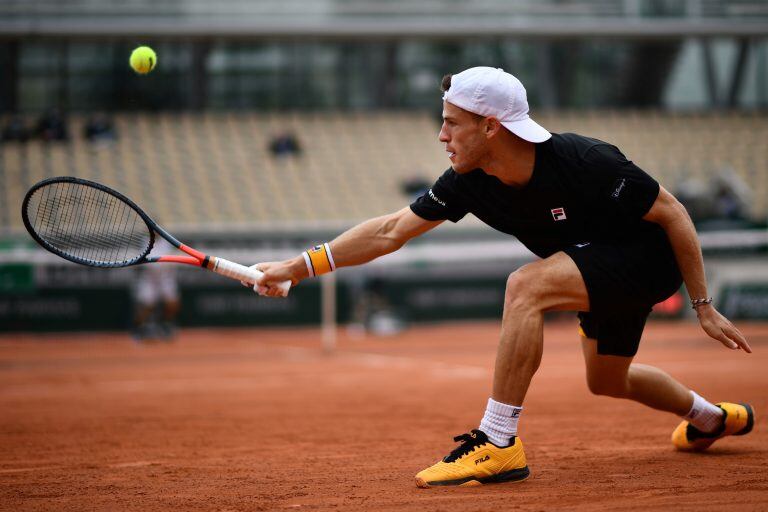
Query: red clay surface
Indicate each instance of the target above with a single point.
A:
(236, 420)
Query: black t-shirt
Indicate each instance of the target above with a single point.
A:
(582, 190)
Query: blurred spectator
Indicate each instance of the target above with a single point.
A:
(731, 196)
(99, 128)
(285, 144)
(415, 187)
(696, 198)
(52, 126)
(727, 204)
(156, 298)
(724, 198)
(15, 130)
(373, 312)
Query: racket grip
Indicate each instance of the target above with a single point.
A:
(242, 273)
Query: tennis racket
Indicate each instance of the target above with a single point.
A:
(91, 224)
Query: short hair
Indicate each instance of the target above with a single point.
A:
(445, 84)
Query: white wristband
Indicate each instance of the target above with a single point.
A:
(309, 264)
(330, 256)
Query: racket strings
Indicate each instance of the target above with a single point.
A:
(88, 224)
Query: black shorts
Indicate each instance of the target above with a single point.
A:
(624, 280)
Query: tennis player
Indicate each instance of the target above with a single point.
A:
(612, 243)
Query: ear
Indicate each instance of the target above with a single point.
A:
(492, 127)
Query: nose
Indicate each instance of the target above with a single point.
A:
(443, 135)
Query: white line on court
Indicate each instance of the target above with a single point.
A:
(27, 470)
(436, 368)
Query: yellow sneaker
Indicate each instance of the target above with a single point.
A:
(477, 461)
(738, 419)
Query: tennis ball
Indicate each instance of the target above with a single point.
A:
(143, 60)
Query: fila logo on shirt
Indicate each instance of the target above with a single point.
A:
(558, 213)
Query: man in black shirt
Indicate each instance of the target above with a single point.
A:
(612, 241)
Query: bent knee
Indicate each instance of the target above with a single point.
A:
(522, 287)
(616, 388)
(554, 283)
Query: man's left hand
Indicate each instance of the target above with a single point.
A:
(721, 329)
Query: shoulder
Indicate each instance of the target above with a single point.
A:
(586, 152)
(575, 146)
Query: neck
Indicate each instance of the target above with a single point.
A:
(511, 160)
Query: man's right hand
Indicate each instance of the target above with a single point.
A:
(276, 272)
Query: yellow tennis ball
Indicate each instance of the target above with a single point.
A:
(143, 60)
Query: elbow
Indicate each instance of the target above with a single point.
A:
(677, 206)
(389, 235)
(678, 213)
(669, 202)
(668, 211)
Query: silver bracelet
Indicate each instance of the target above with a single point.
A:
(700, 302)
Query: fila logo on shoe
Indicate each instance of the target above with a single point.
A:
(478, 461)
(558, 213)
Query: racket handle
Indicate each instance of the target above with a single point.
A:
(242, 273)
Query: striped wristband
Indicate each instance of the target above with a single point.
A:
(700, 302)
(319, 260)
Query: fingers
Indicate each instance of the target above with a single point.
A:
(721, 329)
(268, 291)
(265, 284)
(735, 336)
(725, 340)
(251, 285)
(733, 339)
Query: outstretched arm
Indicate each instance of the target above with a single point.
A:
(673, 217)
(360, 244)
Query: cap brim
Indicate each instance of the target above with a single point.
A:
(527, 129)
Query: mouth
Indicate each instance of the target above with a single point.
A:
(451, 154)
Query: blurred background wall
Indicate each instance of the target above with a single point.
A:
(270, 126)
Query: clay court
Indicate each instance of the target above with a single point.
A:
(244, 419)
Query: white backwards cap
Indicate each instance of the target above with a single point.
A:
(494, 92)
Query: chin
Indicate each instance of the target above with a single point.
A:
(461, 169)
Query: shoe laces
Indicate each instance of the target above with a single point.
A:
(468, 442)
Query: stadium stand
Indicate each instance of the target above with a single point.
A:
(214, 168)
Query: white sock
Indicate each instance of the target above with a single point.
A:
(703, 415)
(500, 422)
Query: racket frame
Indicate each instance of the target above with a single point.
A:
(151, 225)
(194, 258)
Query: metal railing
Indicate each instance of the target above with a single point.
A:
(739, 9)
(343, 18)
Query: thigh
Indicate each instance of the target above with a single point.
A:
(556, 282)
